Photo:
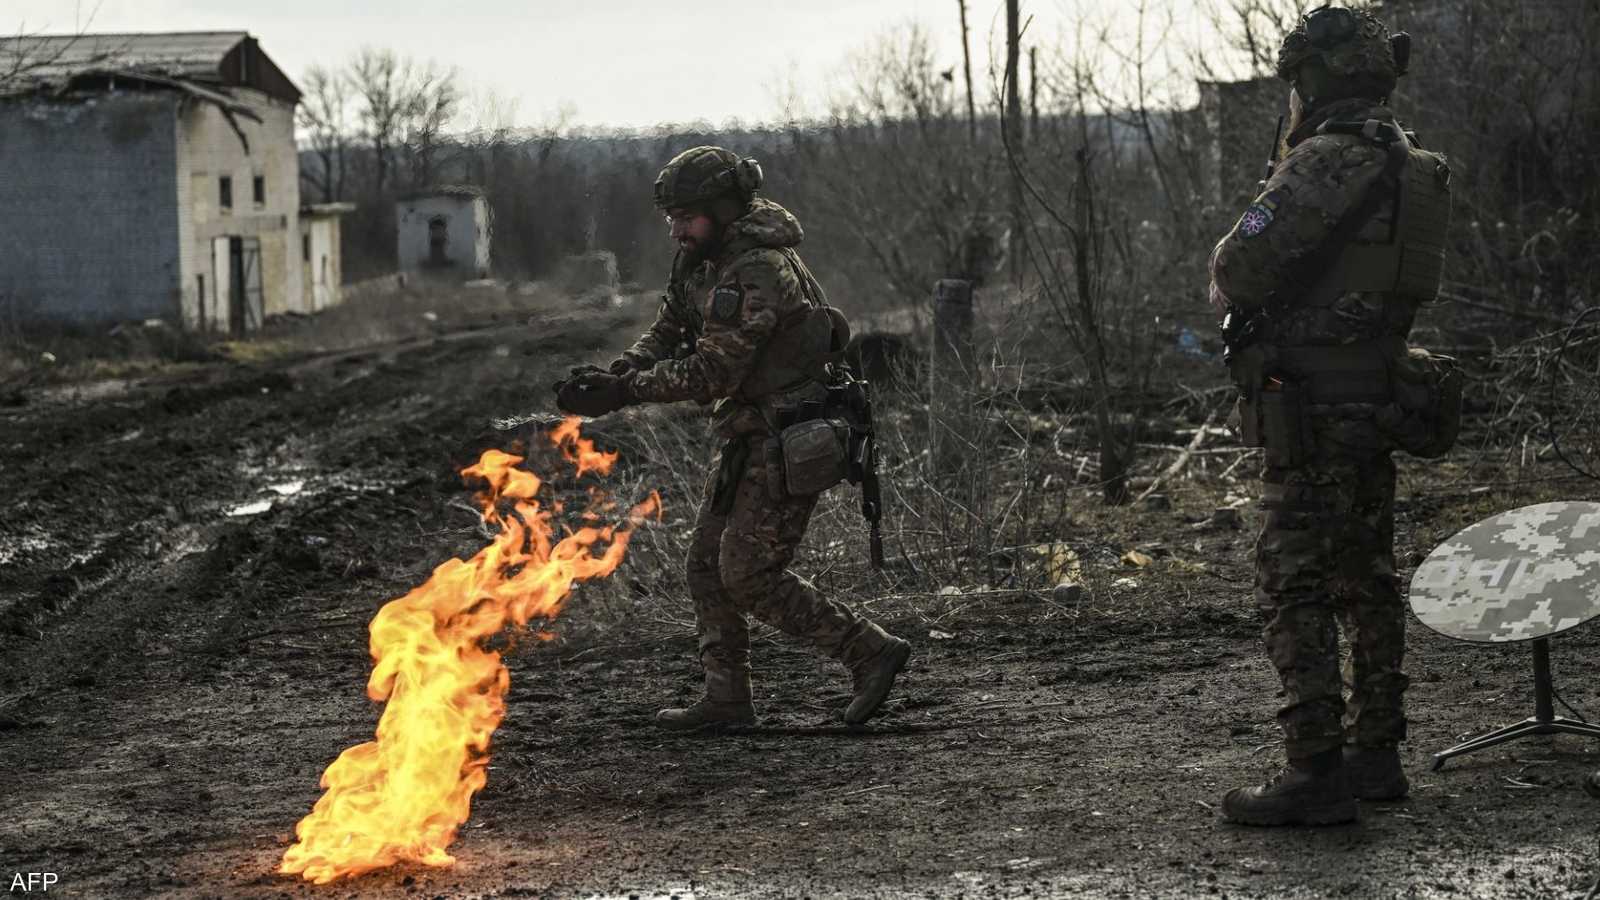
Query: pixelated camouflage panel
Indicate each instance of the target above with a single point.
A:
(753, 288)
(1523, 574)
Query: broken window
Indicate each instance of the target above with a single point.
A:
(225, 192)
(258, 185)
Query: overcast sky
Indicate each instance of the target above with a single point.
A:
(631, 63)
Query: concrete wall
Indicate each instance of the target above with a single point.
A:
(89, 208)
(208, 149)
(1239, 116)
(467, 231)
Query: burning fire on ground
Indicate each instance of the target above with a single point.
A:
(402, 797)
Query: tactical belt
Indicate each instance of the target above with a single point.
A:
(1347, 373)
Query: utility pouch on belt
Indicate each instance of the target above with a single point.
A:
(730, 471)
(1247, 366)
(1425, 415)
(1285, 428)
(813, 456)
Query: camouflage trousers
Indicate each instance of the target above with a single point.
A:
(736, 567)
(1325, 559)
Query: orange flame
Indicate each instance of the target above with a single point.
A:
(580, 450)
(402, 796)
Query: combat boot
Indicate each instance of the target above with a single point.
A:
(874, 678)
(1311, 791)
(1375, 773)
(726, 703)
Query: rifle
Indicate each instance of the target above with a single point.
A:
(1272, 156)
(863, 458)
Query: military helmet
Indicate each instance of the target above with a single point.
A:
(700, 175)
(1356, 51)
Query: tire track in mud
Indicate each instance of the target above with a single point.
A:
(146, 480)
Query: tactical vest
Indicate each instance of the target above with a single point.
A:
(805, 342)
(1401, 258)
(1416, 395)
(1407, 258)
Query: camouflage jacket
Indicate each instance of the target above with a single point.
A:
(714, 323)
(1320, 179)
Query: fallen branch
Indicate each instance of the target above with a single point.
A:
(1453, 297)
(1183, 458)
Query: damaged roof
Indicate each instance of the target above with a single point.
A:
(208, 59)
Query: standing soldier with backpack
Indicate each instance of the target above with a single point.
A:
(746, 325)
(1320, 280)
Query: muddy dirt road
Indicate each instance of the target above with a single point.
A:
(187, 567)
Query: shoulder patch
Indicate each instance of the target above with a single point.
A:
(726, 301)
(1260, 214)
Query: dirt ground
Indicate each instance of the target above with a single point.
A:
(188, 562)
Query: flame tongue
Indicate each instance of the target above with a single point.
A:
(402, 796)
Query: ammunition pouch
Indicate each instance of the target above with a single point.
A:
(1284, 426)
(814, 456)
(819, 443)
(1425, 415)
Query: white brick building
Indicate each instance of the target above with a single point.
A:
(153, 176)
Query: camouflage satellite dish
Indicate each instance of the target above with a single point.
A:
(1522, 575)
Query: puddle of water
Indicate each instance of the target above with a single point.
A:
(91, 390)
(253, 508)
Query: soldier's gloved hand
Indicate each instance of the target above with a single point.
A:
(621, 366)
(595, 394)
(573, 374)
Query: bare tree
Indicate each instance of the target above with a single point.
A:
(1011, 125)
(324, 116)
(966, 68)
(893, 164)
(405, 106)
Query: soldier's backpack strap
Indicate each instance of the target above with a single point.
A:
(1317, 279)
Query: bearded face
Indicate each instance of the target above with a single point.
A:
(692, 230)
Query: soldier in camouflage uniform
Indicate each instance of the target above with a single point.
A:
(743, 324)
(1316, 315)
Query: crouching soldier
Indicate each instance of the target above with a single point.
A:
(745, 324)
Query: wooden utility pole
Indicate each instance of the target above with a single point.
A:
(1033, 92)
(1011, 121)
(966, 67)
(953, 371)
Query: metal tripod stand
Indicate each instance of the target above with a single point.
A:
(1544, 721)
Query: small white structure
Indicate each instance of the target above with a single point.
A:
(444, 231)
(320, 268)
